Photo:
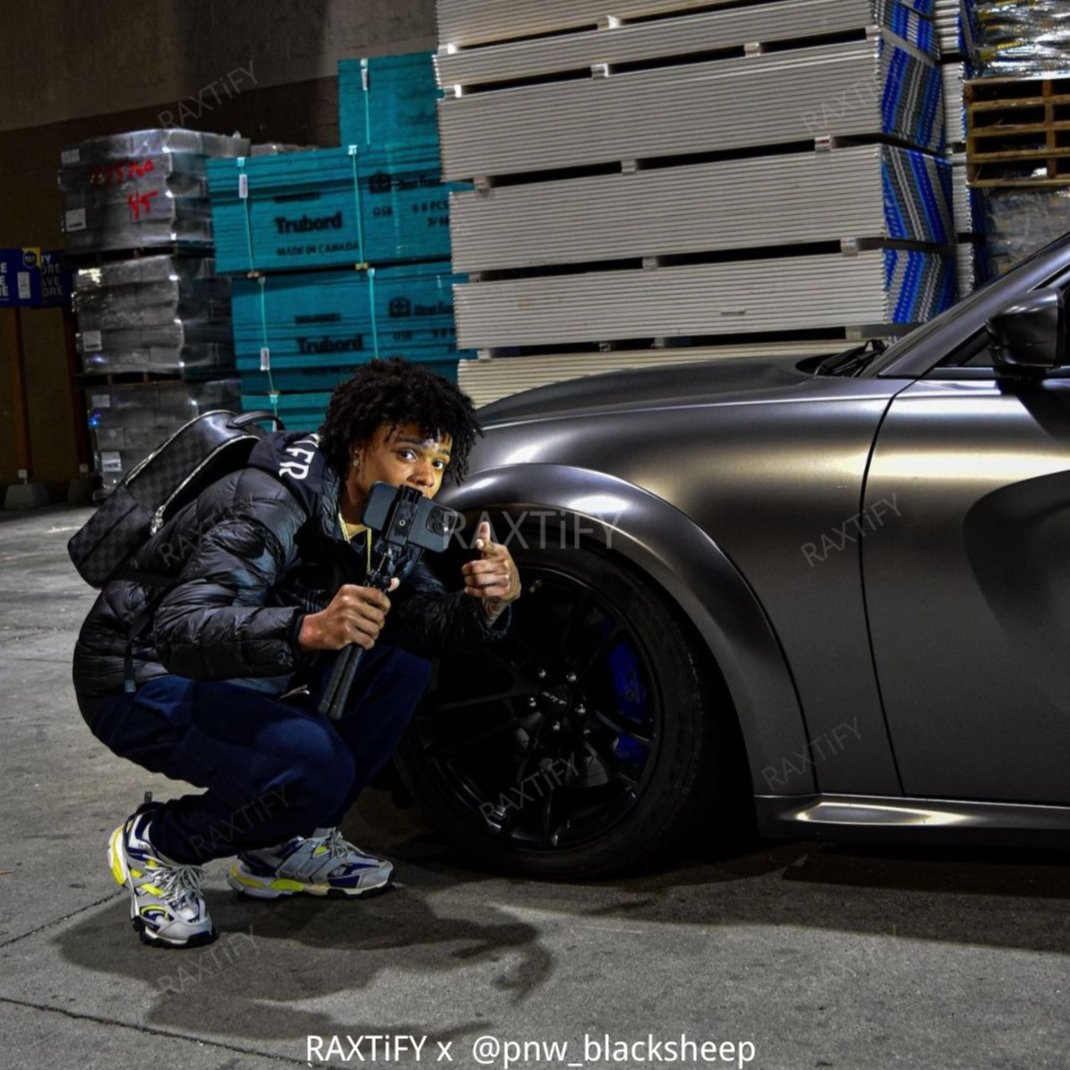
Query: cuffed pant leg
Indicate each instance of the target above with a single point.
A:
(272, 770)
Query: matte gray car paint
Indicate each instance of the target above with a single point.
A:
(762, 493)
(730, 472)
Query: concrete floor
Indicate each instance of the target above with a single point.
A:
(818, 957)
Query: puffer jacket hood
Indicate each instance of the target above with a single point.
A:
(296, 461)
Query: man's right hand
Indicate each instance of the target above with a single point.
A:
(355, 615)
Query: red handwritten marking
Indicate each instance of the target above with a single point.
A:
(115, 174)
(140, 203)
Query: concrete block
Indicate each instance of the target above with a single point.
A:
(25, 496)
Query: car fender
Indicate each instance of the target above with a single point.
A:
(684, 561)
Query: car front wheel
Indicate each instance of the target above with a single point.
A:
(588, 741)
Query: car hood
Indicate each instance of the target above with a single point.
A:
(684, 384)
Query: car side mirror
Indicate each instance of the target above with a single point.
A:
(1030, 335)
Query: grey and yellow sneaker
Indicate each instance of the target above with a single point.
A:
(321, 864)
(166, 905)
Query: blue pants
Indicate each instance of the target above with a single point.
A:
(273, 769)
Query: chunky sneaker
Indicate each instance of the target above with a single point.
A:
(321, 864)
(166, 905)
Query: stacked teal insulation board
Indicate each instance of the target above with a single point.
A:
(345, 251)
(388, 100)
(372, 205)
(310, 330)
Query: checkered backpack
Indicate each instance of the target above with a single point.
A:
(197, 454)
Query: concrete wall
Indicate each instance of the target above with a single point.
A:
(67, 59)
(73, 69)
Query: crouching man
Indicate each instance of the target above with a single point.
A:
(264, 578)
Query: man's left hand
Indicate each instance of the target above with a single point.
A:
(493, 576)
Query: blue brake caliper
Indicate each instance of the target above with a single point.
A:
(631, 701)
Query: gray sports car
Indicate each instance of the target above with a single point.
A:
(829, 595)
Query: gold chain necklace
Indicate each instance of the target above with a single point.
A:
(367, 543)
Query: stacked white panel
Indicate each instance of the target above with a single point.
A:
(737, 297)
(963, 200)
(968, 266)
(954, 75)
(948, 16)
(948, 19)
(462, 23)
(779, 98)
(664, 39)
(654, 172)
(793, 199)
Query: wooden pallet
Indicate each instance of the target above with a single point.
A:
(88, 258)
(1018, 132)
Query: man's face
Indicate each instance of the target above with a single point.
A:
(400, 456)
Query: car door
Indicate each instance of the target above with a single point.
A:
(966, 567)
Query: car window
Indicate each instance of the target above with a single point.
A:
(975, 358)
(976, 352)
(917, 353)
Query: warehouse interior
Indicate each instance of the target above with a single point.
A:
(587, 233)
(567, 187)
(72, 72)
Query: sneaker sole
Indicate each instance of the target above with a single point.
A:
(152, 940)
(322, 891)
(121, 872)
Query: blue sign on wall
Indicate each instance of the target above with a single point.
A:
(32, 278)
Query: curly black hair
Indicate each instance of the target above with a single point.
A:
(395, 392)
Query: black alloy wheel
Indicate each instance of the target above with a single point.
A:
(582, 744)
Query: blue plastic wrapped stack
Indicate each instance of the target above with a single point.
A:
(128, 420)
(1017, 157)
(161, 315)
(1012, 38)
(376, 207)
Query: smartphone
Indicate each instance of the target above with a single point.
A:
(403, 516)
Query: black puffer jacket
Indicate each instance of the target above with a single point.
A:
(249, 558)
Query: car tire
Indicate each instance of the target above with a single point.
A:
(585, 744)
